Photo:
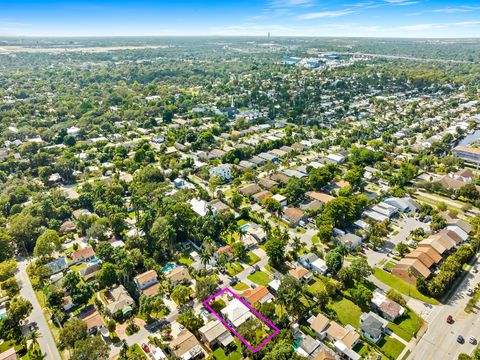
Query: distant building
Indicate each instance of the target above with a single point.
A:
(467, 153)
(223, 171)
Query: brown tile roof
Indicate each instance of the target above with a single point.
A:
(416, 265)
(178, 274)
(261, 195)
(279, 177)
(324, 355)
(93, 320)
(431, 252)
(462, 225)
(267, 183)
(84, 253)
(452, 235)
(443, 240)
(322, 197)
(391, 308)
(299, 272)
(319, 323)
(468, 149)
(146, 276)
(295, 214)
(433, 243)
(255, 295)
(249, 189)
(422, 256)
(183, 343)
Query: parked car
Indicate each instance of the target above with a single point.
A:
(145, 348)
(387, 269)
(472, 340)
(252, 271)
(450, 319)
(460, 339)
(475, 270)
(469, 291)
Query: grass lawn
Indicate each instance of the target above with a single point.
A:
(316, 286)
(252, 258)
(234, 268)
(185, 259)
(241, 222)
(138, 351)
(240, 286)
(390, 265)
(407, 326)
(315, 239)
(361, 349)
(401, 286)
(259, 278)
(347, 312)
(78, 267)
(391, 347)
(220, 355)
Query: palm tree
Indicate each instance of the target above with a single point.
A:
(205, 257)
(33, 337)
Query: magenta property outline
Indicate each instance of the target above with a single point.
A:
(224, 322)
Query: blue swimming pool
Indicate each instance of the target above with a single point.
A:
(168, 267)
(95, 261)
(244, 227)
(296, 343)
(3, 315)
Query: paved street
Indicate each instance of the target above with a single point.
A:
(439, 342)
(46, 341)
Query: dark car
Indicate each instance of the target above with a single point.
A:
(450, 319)
(233, 280)
(92, 331)
(460, 339)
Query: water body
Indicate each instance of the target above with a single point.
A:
(470, 138)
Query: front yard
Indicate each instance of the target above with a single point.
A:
(391, 347)
(401, 286)
(234, 268)
(408, 326)
(259, 278)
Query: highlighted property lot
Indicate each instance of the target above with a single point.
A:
(246, 323)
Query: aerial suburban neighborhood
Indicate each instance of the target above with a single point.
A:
(239, 198)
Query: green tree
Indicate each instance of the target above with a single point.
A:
(107, 275)
(275, 249)
(334, 261)
(6, 247)
(47, 243)
(7, 269)
(205, 288)
(289, 291)
(91, 348)
(360, 268)
(361, 295)
(181, 294)
(190, 320)
(73, 331)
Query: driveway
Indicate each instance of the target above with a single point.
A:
(46, 341)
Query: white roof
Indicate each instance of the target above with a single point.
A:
(236, 312)
(199, 206)
(320, 264)
(158, 354)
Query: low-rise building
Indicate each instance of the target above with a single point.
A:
(388, 308)
(372, 326)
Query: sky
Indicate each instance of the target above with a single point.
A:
(358, 18)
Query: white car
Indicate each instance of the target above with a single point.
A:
(472, 340)
(469, 291)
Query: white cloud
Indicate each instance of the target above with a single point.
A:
(291, 3)
(458, 9)
(401, 2)
(417, 27)
(325, 14)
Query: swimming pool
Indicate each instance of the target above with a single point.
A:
(3, 315)
(95, 261)
(244, 227)
(296, 343)
(168, 267)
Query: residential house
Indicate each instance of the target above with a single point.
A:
(301, 274)
(186, 346)
(469, 154)
(372, 326)
(257, 232)
(219, 207)
(409, 269)
(314, 263)
(404, 204)
(147, 283)
(236, 313)
(351, 241)
(267, 184)
(84, 255)
(178, 274)
(223, 171)
(118, 299)
(281, 199)
(258, 295)
(57, 265)
(245, 164)
(293, 215)
(260, 196)
(215, 333)
(249, 190)
(319, 196)
(89, 272)
(388, 308)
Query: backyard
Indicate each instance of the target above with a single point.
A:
(347, 312)
(407, 326)
(391, 347)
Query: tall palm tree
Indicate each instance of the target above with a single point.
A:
(205, 257)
